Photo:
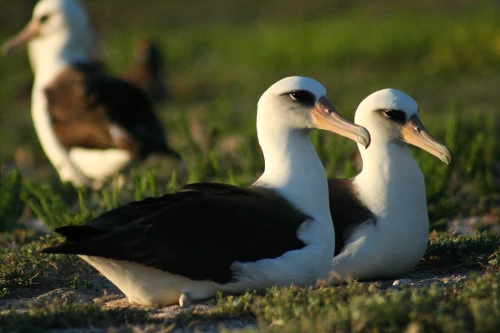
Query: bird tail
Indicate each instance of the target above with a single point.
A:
(73, 234)
(146, 72)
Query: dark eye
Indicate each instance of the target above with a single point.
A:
(396, 115)
(303, 97)
(44, 18)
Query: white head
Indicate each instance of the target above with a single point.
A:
(391, 116)
(58, 30)
(299, 103)
(286, 114)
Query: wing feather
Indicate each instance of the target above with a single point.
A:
(89, 108)
(347, 210)
(195, 233)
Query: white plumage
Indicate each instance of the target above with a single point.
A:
(391, 186)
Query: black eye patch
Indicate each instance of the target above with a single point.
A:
(395, 115)
(44, 18)
(303, 97)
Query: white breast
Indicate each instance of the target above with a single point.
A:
(394, 190)
(100, 164)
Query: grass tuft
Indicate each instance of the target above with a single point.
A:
(11, 205)
(448, 250)
(467, 307)
(63, 315)
(26, 267)
(51, 207)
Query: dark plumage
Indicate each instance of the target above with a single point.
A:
(348, 212)
(223, 223)
(147, 71)
(90, 109)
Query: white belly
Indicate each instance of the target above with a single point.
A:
(100, 164)
(380, 251)
(148, 286)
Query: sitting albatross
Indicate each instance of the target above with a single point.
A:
(89, 124)
(215, 237)
(380, 215)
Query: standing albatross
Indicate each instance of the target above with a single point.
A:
(89, 124)
(214, 237)
(380, 215)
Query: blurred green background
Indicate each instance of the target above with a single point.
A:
(221, 55)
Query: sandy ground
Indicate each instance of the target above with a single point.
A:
(99, 290)
(103, 291)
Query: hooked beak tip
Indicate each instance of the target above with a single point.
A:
(414, 133)
(364, 138)
(446, 158)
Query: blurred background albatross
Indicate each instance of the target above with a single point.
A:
(217, 56)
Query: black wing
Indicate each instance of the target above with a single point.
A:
(197, 233)
(93, 110)
(347, 210)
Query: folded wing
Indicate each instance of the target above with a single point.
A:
(196, 233)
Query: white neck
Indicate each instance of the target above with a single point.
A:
(48, 58)
(391, 181)
(49, 55)
(293, 168)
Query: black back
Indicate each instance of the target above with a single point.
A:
(90, 109)
(196, 233)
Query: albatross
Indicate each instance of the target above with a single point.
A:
(212, 237)
(90, 125)
(380, 216)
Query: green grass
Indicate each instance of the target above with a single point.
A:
(473, 252)
(63, 315)
(368, 307)
(220, 57)
(469, 307)
(10, 201)
(26, 267)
